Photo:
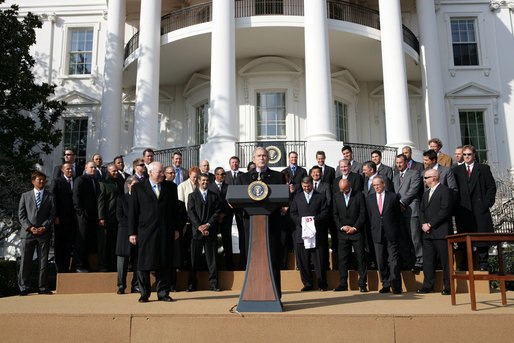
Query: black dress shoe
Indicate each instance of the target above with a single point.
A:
(215, 289)
(323, 289)
(24, 293)
(340, 288)
(306, 289)
(191, 289)
(423, 291)
(173, 289)
(385, 290)
(143, 299)
(121, 291)
(416, 269)
(484, 268)
(81, 270)
(45, 292)
(165, 298)
(446, 292)
(135, 290)
(397, 291)
(363, 289)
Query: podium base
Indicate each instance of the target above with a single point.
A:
(259, 306)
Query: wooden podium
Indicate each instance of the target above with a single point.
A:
(259, 293)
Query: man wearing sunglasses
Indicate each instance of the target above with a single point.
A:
(69, 157)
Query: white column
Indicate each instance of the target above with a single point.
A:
(147, 84)
(320, 121)
(110, 123)
(222, 133)
(432, 79)
(396, 95)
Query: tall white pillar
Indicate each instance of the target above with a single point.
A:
(396, 95)
(222, 108)
(432, 79)
(320, 121)
(110, 123)
(147, 84)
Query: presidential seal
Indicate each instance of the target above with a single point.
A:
(274, 154)
(258, 190)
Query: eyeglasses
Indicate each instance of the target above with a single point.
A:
(169, 173)
(69, 154)
(141, 165)
(467, 154)
(427, 177)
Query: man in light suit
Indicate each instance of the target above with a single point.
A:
(446, 176)
(435, 216)
(382, 169)
(181, 174)
(295, 172)
(436, 145)
(310, 203)
(183, 190)
(328, 173)
(36, 213)
(355, 167)
(355, 178)
(70, 156)
(407, 184)
(384, 215)
(204, 208)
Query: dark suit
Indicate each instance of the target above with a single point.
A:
(326, 189)
(65, 231)
(318, 208)
(384, 231)
(225, 223)
(328, 175)
(201, 212)
(154, 222)
(85, 194)
(385, 171)
(446, 177)
(78, 170)
(436, 212)
(125, 251)
(354, 215)
(476, 195)
(31, 216)
(269, 177)
(238, 213)
(355, 179)
(356, 167)
(418, 166)
(299, 174)
(109, 191)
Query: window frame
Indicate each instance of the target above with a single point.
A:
(346, 120)
(80, 159)
(284, 94)
(66, 32)
(206, 107)
(478, 150)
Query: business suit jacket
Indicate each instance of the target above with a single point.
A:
(229, 179)
(300, 173)
(437, 212)
(154, 222)
(387, 224)
(353, 215)
(446, 177)
(63, 195)
(328, 175)
(409, 191)
(325, 189)
(85, 197)
(203, 212)
(184, 189)
(355, 179)
(222, 196)
(385, 171)
(476, 195)
(185, 176)
(79, 170)
(389, 186)
(444, 160)
(356, 167)
(316, 207)
(29, 215)
(109, 191)
(123, 245)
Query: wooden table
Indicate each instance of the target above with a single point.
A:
(469, 238)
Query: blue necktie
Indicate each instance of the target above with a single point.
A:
(38, 200)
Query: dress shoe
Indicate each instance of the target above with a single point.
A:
(323, 289)
(121, 291)
(416, 269)
(143, 299)
(24, 293)
(45, 292)
(397, 291)
(165, 298)
(306, 289)
(191, 289)
(484, 268)
(385, 290)
(81, 270)
(372, 266)
(215, 289)
(340, 288)
(363, 289)
(173, 289)
(135, 290)
(423, 291)
(446, 292)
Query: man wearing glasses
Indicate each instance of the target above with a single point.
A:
(69, 157)
(445, 174)
(139, 169)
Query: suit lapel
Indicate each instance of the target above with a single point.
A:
(149, 190)
(475, 175)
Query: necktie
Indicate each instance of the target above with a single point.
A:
(469, 172)
(38, 199)
(203, 195)
(293, 170)
(315, 186)
(69, 183)
(177, 176)
(401, 178)
(430, 194)
(369, 183)
(157, 191)
(380, 203)
(219, 186)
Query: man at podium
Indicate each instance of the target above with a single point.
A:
(263, 173)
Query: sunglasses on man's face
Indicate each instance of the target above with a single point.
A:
(467, 154)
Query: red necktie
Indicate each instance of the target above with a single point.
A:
(380, 203)
(469, 173)
(69, 183)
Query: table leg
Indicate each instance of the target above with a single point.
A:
(501, 272)
(471, 275)
(452, 271)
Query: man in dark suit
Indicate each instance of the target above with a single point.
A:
(411, 164)
(328, 173)
(446, 176)
(382, 169)
(477, 193)
(407, 184)
(295, 172)
(349, 212)
(181, 174)
(435, 216)
(384, 215)
(459, 157)
(204, 208)
(204, 169)
(268, 176)
(101, 171)
(219, 187)
(310, 205)
(345, 174)
(139, 169)
(355, 167)
(85, 195)
(120, 166)
(36, 213)
(70, 156)
(148, 157)
(65, 218)
(153, 226)
(232, 178)
(369, 170)
(326, 190)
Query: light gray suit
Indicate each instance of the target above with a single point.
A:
(30, 216)
(408, 189)
(446, 177)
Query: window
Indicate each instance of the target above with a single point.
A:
(81, 51)
(271, 115)
(201, 123)
(341, 121)
(75, 137)
(472, 132)
(264, 7)
(464, 39)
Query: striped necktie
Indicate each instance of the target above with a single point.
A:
(38, 200)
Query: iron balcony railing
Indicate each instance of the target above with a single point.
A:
(190, 156)
(278, 152)
(336, 9)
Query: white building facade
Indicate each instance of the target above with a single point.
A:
(307, 75)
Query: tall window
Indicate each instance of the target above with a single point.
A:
(201, 123)
(464, 39)
(81, 51)
(341, 121)
(271, 115)
(75, 136)
(265, 7)
(472, 132)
